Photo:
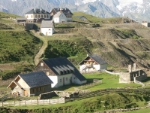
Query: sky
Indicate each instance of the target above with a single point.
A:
(130, 1)
(121, 1)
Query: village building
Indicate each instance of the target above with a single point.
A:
(61, 72)
(133, 75)
(47, 27)
(82, 18)
(21, 20)
(30, 84)
(61, 15)
(92, 63)
(146, 24)
(35, 15)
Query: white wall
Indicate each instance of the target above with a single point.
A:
(61, 80)
(75, 80)
(96, 68)
(60, 19)
(47, 31)
(29, 16)
(37, 16)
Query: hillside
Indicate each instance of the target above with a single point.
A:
(119, 41)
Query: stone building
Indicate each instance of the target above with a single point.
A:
(132, 75)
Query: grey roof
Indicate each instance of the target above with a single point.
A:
(47, 24)
(96, 58)
(57, 14)
(64, 10)
(37, 11)
(36, 79)
(61, 66)
(81, 17)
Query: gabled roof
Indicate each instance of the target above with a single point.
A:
(36, 79)
(66, 11)
(37, 11)
(47, 24)
(58, 14)
(95, 57)
(61, 65)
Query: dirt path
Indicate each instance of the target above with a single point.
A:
(37, 58)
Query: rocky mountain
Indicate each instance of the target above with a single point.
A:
(137, 10)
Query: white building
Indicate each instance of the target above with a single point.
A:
(47, 27)
(59, 17)
(92, 63)
(146, 24)
(66, 16)
(36, 14)
(61, 72)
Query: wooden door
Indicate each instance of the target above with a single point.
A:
(25, 93)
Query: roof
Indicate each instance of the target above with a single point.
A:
(61, 66)
(81, 17)
(64, 10)
(96, 58)
(37, 11)
(36, 79)
(57, 14)
(47, 24)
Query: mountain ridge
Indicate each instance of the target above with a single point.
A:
(136, 10)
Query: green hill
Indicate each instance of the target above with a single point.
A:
(7, 15)
(16, 46)
(93, 19)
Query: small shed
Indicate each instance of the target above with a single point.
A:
(92, 63)
(47, 27)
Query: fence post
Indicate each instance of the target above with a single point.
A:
(37, 101)
(2, 103)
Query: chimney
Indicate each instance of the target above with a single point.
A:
(61, 10)
(130, 68)
(134, 67)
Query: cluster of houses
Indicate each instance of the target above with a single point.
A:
(58, 72)
(47, 19)
(54, 73)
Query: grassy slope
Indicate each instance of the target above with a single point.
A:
(90, 105)
(140, 111)
(94, 19)
(7, 15)
(78, 47)
(16, 46)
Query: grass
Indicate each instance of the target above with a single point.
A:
(147, 110)
(7, 15)
(108, 81)
(88, 105)
(68, 48)
(94, 19)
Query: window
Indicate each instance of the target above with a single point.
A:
(47, 73)
(42, 64)
(66, 79)
(60, 80)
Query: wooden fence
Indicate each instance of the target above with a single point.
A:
(33, 102)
